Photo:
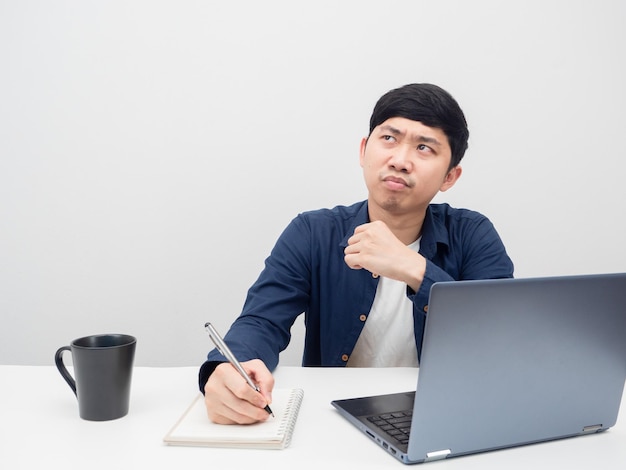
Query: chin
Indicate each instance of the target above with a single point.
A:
(391, 205)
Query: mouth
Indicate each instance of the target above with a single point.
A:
(395, 182)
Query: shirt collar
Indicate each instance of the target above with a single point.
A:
(434, 232)
(361, 217)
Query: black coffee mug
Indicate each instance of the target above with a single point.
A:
(103, 366)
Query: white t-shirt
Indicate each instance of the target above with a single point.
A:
(387, 339)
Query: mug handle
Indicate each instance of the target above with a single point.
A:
(58, 360)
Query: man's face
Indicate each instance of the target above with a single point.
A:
(405, 164)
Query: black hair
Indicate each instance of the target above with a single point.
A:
(430, 105)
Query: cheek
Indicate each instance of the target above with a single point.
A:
(369, 175)
(369, 171)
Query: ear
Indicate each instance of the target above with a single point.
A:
(451, 178)
(362, 151)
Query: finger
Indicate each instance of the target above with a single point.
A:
(351, 261)
(359, 233)
(351, 249)
(240, 390)
(265, 389)
(362, 228)
(244, 411)
(353, 240)
(232, 410)
(262, 377)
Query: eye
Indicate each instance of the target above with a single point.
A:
(388, 138)
(424, 148)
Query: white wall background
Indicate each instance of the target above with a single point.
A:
(151, 151)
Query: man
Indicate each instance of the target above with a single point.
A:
(362, 274)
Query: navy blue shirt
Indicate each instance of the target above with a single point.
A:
(306, 273)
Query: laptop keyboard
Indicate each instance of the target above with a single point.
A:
(397, 424)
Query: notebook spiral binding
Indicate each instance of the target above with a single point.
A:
(291, 415)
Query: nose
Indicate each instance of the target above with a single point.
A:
(400, 159)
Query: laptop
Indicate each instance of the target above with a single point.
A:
(504, 363)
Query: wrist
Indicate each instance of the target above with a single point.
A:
(205, 372)
(415, 271)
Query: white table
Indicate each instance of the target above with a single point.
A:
(40, 428)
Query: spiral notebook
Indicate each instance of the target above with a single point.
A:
(195, 429)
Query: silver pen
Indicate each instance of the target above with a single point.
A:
(227, 353)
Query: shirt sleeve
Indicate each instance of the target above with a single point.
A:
(474, 251)
(275, 300)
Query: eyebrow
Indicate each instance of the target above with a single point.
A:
(416, 137)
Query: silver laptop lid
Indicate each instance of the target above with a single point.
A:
(515, 361)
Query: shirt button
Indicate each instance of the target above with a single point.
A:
(344, 358)
(363, 317)
(425, 308)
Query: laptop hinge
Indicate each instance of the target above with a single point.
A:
(593, 428)
(438, 455)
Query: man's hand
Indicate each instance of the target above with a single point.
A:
(375, 248)
(230, 400)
